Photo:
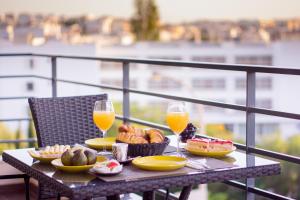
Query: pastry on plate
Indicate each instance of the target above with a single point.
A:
(209, 145)
(50, 151)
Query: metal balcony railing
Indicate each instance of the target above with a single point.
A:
(249, 108)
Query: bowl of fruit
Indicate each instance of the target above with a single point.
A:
(77, 160)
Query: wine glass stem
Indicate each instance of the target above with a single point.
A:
(103, 135)
(178, 140)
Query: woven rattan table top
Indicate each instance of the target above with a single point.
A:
(85, 185)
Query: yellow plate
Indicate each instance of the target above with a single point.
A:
(41, 159)
(99, 143)
(74, 169)
(210, 154)
(159, 163)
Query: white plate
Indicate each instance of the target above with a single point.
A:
(92, 170)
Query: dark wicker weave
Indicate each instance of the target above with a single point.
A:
(63, 120)
(152, 149)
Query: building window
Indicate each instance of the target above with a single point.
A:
(163, 67)
(264, 103)
(115, 65)
(266, 128)
(118, 83)
(165, 57)
(29, 86)
(110, 65)
(259, 103)
(200, 83)
(262, 83)
(31, 63)
(254, 60)
(240, 83)
(214, 59)
(240, 101)
(214, 109)
(164, 83)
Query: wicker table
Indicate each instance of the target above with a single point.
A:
(85, 186)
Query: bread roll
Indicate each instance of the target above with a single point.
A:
(155, 135)
(132, 135)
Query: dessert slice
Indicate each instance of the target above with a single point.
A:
(209, 145)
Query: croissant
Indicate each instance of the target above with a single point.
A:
(155, 135)
(131, 135)
(123, 137)
(130, 138)
(123, 128)
(137, 140)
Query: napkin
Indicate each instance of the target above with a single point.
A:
(197, 164)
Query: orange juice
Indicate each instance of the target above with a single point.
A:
(177, 121)
(103, 119)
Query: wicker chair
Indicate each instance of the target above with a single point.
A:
(63, 120)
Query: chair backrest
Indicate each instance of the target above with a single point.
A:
(64, 120)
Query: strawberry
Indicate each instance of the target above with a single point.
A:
(111, 165)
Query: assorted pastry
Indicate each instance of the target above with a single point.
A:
(133, 135)
(50, 151)
(78, 157)
(209, 145)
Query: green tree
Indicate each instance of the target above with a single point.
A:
(21, 136)
(145, 22)
(31, 134)
(6, 134)
(294, 170)
(290, 173)
(218, 131)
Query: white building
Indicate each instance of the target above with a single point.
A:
(273, 91)
(79, 70)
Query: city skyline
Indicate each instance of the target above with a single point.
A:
(180, 11)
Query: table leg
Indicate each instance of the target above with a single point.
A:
(149, 195)
(113, 197)
(26, 181)
(185, 193)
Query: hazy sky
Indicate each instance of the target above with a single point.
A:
(170, 10)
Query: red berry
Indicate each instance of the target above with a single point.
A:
(112, 164)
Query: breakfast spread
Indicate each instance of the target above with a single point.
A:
(50, 151)
(108, 167)
(132, 135)
(209, 145)
(78, 157)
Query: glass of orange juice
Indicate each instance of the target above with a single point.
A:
(104, 117)
(177, 119)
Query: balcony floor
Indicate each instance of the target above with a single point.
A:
(14, 189)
